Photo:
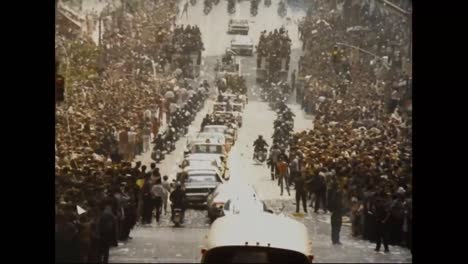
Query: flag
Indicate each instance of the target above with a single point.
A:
(80, 210)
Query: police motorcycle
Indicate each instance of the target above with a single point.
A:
(231, 6)
(208, 5)
(177, 216)
(157, 153)
(260, 154)
(254, 7)
(178, 123)
(169, 138)
(282, 11)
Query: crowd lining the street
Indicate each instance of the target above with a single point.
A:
(361, 141)
(112, 109)
(360, 144)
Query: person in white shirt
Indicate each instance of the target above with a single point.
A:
(167, 186)
(158, 193)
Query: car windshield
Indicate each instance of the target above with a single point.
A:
(201, 178)
(210, 136)
(219, 108)
(243, 254)
(202, 163)
(210, 149)
(214, 129)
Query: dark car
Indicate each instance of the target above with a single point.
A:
(200, 183)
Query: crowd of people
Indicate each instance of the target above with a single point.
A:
(236, 84)
(274, 46)
(112, 110)
(358, 158)
(330, 41)
(188, 39)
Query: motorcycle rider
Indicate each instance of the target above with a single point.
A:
(259, 144)
(206, 121)
(177, 199)
(206, 85)
(159, 143)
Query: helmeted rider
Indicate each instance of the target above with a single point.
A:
(178, 198)
(259, 144)
(159, 142)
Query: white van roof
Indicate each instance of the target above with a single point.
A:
(268, 230)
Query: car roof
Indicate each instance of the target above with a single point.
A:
(202, 141)
(211, 143)
(242, 39)
(202, 171)
(215, 126)
(217, 134)
(203, 156)
(268, 230)
(243, 21)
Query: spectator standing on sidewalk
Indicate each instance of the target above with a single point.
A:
(335, 205)
(147, 203)
(273, 159)
(283, 178)
(320, 190)
(146, 137)
(107, 229)
(167, 186)
(158, 193)
(301, 192)
(382, 212)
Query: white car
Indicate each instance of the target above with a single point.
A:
(230, 198)
(202, 137)
(207, 160)
(242, 45)
(223, 129)
(215, 129)
(243, 205)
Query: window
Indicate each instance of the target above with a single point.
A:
(215, 149)
(199, 178)
(242, 254)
